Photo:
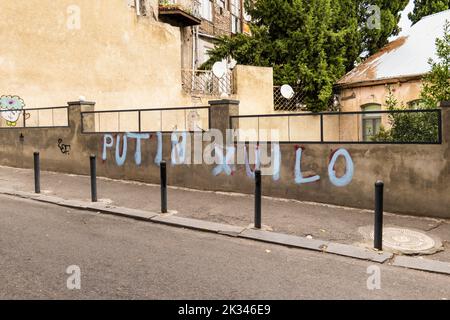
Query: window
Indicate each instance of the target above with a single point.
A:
(371, 122)
(235, 8)
(416, 104)
(207, 10)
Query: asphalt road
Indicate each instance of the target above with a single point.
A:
(126, 259)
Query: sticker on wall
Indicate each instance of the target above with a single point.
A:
(11, 108)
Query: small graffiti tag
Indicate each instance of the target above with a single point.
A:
(11, 108)
(65, 148)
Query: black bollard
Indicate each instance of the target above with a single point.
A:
(37, 173)
(378, 231)
(163, 168)
(93, 163)
(258, 199)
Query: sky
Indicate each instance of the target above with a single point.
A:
(405, 23)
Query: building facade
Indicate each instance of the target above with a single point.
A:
(119, 53)
(398, 68)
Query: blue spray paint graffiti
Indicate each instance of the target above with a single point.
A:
(178, 154)
(108, 142)
(299, 179)
(276, 158)
(120, 159)
(248, 170)
(275, 162)
(348, 176)
(138, 137)
(224, 163)
(158, 157)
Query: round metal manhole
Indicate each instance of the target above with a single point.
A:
(407, 241)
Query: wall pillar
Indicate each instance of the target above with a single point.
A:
(220, 113)
(75, 109)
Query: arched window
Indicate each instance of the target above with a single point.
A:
(371, 122)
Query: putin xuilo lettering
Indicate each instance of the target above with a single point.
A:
(225, 158)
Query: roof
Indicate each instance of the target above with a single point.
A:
(405, 57)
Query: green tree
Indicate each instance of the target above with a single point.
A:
(424, 8)
(406, 126)
(310, 43)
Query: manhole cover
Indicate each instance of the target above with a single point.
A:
(405, 240)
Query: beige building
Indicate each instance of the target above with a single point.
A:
(122, 54)
(401, 66)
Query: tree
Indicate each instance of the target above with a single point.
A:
(310, 44)
(405, 126)
(373, 39)
(424, 8)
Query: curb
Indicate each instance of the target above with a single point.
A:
(245, 233)
(422, 264)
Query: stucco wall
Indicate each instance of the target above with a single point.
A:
(254, 89)
(404, 92)
(416, 176)
(115, 58)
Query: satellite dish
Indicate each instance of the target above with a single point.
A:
(247, 17)
(219, 69)
(82, 98)
(287, 91)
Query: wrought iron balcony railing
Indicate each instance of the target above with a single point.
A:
(204, 82)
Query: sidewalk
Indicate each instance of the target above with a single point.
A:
(319, 221)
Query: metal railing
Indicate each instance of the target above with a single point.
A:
(51, 117)
(191, 7)
(164, 120)
(204, 82)
(365, 127)
(295, 103)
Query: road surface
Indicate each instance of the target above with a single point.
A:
(121, 258)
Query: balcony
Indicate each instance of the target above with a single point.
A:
(180, 13)
(205, 83)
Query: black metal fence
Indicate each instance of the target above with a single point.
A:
(364, 127)
(51, 117)
(293, 104)
(165, 120)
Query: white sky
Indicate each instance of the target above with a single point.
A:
(405, 23)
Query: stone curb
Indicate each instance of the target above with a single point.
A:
(242, 232)
(422, 264)
(317, 245)
(199, 225)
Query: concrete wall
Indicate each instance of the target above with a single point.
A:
(417, 177)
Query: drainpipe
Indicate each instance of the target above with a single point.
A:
(194, 55)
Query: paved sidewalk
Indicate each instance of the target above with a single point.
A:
(324, 222)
